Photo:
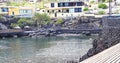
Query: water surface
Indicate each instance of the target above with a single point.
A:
(44, 49)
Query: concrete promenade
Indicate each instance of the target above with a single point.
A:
(110, 55)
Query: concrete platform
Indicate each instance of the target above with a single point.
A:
(110, 55)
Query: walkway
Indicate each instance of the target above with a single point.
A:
(11, 32)
(111, 55)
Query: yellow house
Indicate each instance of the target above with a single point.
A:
(17, 11)
(13, 11)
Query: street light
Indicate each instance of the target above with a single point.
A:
(37, 24)
(110, 8)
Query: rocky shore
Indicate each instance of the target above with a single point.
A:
(110, 36)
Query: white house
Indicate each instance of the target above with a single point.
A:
(64, 8)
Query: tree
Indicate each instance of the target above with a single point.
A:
(41, 19)
(103, 6)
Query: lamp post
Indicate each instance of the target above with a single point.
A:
(35, 14)
(110, 8)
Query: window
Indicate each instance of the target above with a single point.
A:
(60, 4)
(66, 4)
(26, 11)
(63, 4)
(4, 9)
(52, 4)
(20, 11)
(80, 3)
(67, 10)
(30, 11)
(77, 10)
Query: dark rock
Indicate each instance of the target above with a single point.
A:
(71, 62)
(91, 52)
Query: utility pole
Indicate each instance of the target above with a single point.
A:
(110, 8)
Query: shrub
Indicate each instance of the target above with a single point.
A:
(86, 9)
(59, 21)
(23, 21)
(103, 6)
(108, 0)
(13, 25)
(91, 2)
(101, 12)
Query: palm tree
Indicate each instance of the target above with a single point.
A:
(41, 19)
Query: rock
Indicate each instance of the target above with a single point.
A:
(91, 52)
(71, 62)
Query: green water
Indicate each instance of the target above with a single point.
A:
(43, 49)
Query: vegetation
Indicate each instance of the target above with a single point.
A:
(13, 25)
(108, 0)
(1, 17)
(103, 6)
(59, 21)
(103, 0)
(92, 2)
(24, 21)
(41, 19)
(101, 12)
(16, 3)
(116, 12)
(86, 9)
(24, 3)
(38, 19)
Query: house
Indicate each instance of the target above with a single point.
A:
(64, 8)
(13, 11)
(26, 11)
(17, 11)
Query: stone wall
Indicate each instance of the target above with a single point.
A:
(110, 36)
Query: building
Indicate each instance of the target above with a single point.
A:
(13, 11)
(17, 11)
(26, 11)
(4, 0)
(64, 8)
(4, 10)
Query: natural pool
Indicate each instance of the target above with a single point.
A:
(44, 49)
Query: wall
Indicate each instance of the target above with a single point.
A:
(13, 11)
